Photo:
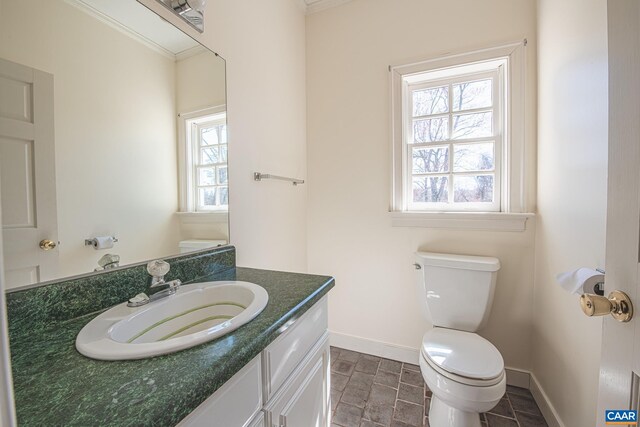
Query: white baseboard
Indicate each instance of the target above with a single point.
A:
(515, 377)
(375, 348)
(547, 409)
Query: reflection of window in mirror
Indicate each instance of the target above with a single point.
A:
(205, 184)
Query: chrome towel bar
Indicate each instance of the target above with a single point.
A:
(257, 176)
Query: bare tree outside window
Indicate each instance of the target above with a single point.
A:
(451, 147)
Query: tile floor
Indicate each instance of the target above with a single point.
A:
(367, 391)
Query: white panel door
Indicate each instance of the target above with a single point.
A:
(27, 174)
(620, 342)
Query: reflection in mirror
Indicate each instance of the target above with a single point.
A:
(113, 142)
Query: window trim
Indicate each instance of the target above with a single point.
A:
(512, 197)
(185, 161)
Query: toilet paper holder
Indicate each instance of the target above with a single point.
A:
(94, 241)
(598, 288)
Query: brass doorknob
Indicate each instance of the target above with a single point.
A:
(618, 304)
(47, 245)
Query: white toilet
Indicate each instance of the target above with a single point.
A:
(464, 371)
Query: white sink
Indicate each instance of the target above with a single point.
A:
(195, 314)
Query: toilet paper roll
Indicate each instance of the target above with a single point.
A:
(102, 242)
(580, 281)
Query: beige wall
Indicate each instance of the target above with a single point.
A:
(108, 142)
(200, 82)
(572, 184)
(264, 46)
(350, 235)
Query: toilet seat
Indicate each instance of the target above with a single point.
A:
(464, 357)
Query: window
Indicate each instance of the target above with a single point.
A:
(457, 133)
(204, 161)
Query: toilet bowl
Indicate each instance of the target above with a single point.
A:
(464, 371)
(465, 374)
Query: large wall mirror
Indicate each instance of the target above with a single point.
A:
(112, 124)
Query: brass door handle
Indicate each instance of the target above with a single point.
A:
(47, 245)
(618, 304)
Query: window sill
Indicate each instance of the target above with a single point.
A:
(482, 221)
(203, 217)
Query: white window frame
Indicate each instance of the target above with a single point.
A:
(187, 153)
(495, 72)
(511, 197)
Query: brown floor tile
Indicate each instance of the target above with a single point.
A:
(524, 404)
(391, 366)
(382, 395)
(335, 399)
(347, 415)
(387, 378)
(498, 421)
(368, 364)
(518, 390)
(530, 420)
(367, 391)
(343, 367)
(338, 381)
(411, 367)
(361, 380)
(348, 355)
(355, 396)
(503, 408)
(380, 414)
(408, 413)
(412, 377)
(411, 393)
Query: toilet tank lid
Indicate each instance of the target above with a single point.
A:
(463, 262)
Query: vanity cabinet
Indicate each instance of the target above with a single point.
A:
(287, 385)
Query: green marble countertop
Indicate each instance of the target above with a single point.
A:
(55, 385)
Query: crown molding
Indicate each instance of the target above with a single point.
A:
(313, 6)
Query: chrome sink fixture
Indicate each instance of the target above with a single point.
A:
(193, 315)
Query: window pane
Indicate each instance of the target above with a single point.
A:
(210, 156)
(222, 175)
(209, 136)
(470, 95)
(476, 125)
(207, 197)
(223, 193)
(429, 130)
(223, 154)
(428, 159)
(473, 157)
(223, 134)
(430, 101)
(467, 189)
(206, 176)
(430, 189)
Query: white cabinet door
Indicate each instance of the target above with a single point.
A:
(27, 174)
(304, 400)
(236, 404)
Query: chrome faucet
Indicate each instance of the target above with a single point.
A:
(157, 269)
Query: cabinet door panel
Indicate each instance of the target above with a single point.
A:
(307, 406)
(304, 398)
(286, 353)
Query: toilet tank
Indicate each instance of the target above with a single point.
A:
(456, 290)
